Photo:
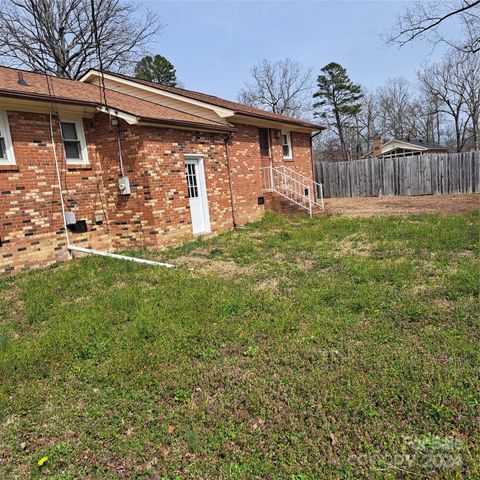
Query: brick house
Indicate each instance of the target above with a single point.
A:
(139, 164)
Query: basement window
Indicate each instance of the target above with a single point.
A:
(6, 147)
(287, 145)
(74, 144)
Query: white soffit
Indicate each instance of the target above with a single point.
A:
(124, 86)
(393, 144)
(130, 119)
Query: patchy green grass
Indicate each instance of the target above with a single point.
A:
(292, 349)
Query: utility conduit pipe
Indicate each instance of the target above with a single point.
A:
(101, 253)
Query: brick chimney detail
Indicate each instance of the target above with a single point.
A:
(377, 147)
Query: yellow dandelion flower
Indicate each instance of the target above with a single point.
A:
(42, 461)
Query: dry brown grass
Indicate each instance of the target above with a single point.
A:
(370, 206)
(224, 268)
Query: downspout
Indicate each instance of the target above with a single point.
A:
(227, 139)
(59, 182)
(314, 177)
(116, 126)
(270, 153)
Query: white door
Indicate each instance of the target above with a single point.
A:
(197, 195)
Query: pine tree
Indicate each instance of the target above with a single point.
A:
(156, 69)
(339, 100)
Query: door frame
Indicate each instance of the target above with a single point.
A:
(202, 189)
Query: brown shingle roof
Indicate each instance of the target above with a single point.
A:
(63, 90)
(238, 108)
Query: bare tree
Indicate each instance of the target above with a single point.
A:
(424, 19)
(468, 84)
(425, 119)
(282, 87)
(326, 148)
(395, 108)
(367, 123)
(444, 81)
(58, 36)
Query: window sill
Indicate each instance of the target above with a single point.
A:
(8, 168)
(288, 159)
(79, 166)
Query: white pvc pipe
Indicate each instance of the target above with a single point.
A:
(59, 179)
(118, 257)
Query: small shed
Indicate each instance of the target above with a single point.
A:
(403, 148)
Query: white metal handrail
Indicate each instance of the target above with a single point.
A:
(297, 174)
(316, 187)
(294, 186)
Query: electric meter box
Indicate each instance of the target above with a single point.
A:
(124, 186)
(70, 218)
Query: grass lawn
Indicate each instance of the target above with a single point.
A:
(292, 348)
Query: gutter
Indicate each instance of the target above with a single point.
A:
(281, 119)
(229, 170)
(46, 98)
(313, 135)
(183, 123)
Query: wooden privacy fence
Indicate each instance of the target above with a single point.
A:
(413, 175)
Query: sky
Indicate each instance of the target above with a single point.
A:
(213, 45)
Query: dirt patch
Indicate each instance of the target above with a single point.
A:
(269, 284)
(347, 247)
(353, 245)
(305, 264)
(226, 269)
(465, 254)
(444, 304)
(369, 206)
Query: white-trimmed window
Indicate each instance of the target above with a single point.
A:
(286, 145)
(74, 144)
(6, 148)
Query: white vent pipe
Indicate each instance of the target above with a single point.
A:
(101, 253)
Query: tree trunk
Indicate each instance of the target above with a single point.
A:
(475, 133)
(341, 137)
(458, 135)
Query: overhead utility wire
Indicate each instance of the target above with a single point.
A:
(52, 137)
(103, 90)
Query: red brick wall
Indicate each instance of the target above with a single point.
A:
(245, 163)
(156, 214)
(157, 211)
(302, 160)
(31, 224)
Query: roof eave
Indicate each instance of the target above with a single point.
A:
(184, 124)
(269, 122)
(46, 98)
(225, 112)
(132, 119)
